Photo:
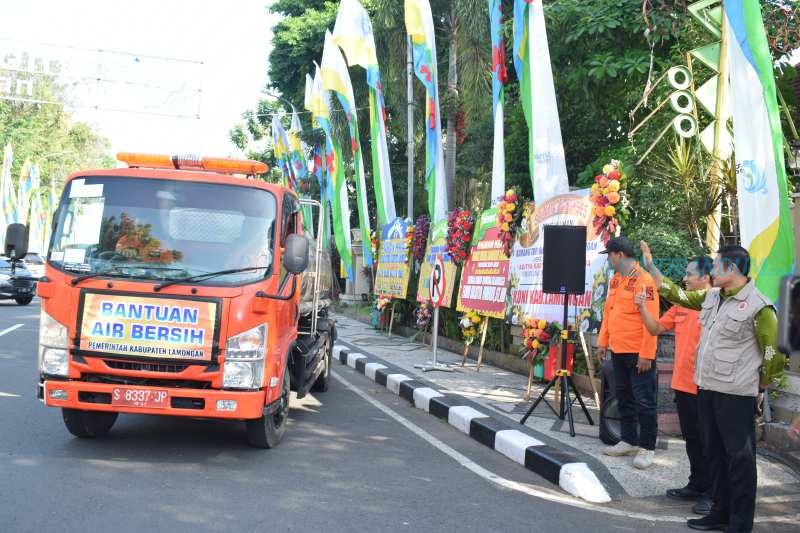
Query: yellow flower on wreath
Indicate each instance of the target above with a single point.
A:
(613, 185)
(610, 211)
(542, 324)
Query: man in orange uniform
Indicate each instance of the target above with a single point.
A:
(633, 351)
(686, 324)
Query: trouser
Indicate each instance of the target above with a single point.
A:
(729, 438)
(636, 400)
(686, 403)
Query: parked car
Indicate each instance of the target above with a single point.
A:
(35, 264)
(16, 283)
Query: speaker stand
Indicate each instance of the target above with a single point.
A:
(563, 378)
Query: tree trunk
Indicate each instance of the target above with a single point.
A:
(452, 113)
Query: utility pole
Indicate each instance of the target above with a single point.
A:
(410, 147)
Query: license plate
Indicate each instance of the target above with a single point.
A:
(153, 398)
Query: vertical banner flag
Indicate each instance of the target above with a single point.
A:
(26, 180)
(353, 34)
(764, 217)
(532, 63)
(280, 143)
(419, 26)
(8, 200)
(499, 79)
(36, 234)
(336, 186)
(297, 156)
(336, 78)
(318, 157)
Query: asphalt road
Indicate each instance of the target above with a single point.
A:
(344, 465)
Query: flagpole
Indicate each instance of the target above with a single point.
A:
(714, 221)
(410, 140)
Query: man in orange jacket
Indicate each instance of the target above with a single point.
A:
(686, 325)
(633, 351)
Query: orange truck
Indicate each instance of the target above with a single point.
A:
(181, 286)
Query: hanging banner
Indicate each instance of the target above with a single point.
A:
(437, 245)
(394, 264)
(526, 297)
(484, 280)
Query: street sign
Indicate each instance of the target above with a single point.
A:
(437, 282)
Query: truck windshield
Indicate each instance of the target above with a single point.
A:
(164, 229)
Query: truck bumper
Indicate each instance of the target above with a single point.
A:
(196, 403)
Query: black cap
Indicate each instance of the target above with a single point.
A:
(619, 244)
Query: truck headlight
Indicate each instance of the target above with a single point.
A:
(244, 359)
(53, 346)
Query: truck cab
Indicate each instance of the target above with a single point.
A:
(175, 287)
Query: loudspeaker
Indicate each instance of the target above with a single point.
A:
(564, 269)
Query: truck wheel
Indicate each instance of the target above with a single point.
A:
(610, 430)
(267, 431)
(24, 300)
(321, 385)
(88, 424)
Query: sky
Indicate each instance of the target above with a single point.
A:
(191, 58)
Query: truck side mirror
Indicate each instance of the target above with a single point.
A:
(295, 254)
(16, 241)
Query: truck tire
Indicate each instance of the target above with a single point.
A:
(88, 424)
(610, 431)
(24, 300)
(323, 381)
(267, 431)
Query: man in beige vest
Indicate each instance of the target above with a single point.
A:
(736, 359)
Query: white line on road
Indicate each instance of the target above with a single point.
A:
(8, 395)
(521, 487)
(9, 330)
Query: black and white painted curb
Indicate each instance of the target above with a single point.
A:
(555, 465)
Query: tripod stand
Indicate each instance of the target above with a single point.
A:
(562, 377)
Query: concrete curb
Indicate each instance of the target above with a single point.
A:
(557, 466)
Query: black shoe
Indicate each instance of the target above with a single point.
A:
(703, 505)
(712, 522)
(685, 493)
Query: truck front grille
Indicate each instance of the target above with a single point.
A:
(174, 368)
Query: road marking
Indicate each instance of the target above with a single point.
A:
(8, 395)
(9, 330)
(474, 467)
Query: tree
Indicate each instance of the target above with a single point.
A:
(47, 135)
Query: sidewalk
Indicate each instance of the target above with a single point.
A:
(503, 392)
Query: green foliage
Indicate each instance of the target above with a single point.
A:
(47, 135)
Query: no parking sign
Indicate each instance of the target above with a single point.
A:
(437, 282)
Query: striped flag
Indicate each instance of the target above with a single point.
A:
(36, 232)
(8, 200)
(336, 186)
(764, 217)
(27, 176)
(419, 26)
(548, 168)
(336, 78)
(280, 148)
(353, 34)
(499, 79)
(297, 156)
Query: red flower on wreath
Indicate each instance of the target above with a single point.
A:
(421, 229)
(459, 234)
